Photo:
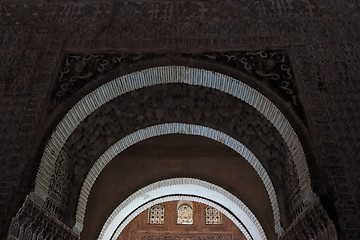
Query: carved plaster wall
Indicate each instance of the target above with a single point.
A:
(321, 36)
(180, 101)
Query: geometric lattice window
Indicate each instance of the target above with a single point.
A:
(185, 214)
(156, 214)
(213, 216)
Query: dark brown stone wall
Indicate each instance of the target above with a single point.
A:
(322, 39)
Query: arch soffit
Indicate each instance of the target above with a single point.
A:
(194, 190)
(174, 128)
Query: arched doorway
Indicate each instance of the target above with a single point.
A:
(176, 98)
(187, 129)
(191, 190)
(181, 219)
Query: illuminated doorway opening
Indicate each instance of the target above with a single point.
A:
(166, 221)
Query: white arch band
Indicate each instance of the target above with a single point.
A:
(202, 190)
(172, 128)
(163, 75)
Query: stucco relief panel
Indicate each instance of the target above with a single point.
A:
(270, 67)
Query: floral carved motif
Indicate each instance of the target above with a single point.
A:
(270, 67)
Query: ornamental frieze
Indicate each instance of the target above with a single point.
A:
(270, 67)
(188, 236)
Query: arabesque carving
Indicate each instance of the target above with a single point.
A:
(189, 236)
(313, 223)
(165, 103)
(271, 67)
(34, 222)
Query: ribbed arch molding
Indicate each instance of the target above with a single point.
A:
(112, 220)
(192, 190)
(174, 128)
(164, 75)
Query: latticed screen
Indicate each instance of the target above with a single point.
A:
(185, 214)
(213, 216)
(156, 214)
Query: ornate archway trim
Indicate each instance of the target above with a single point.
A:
(163, 75)
(144, 198)
(176, 198)
(174, 128)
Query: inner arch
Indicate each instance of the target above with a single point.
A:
(172, 128)
(167, 190)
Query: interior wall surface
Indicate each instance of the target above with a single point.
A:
(321, 38)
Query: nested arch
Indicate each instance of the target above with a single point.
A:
(163, 75)
(174, 128)
(168, 75)
(192, 190)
